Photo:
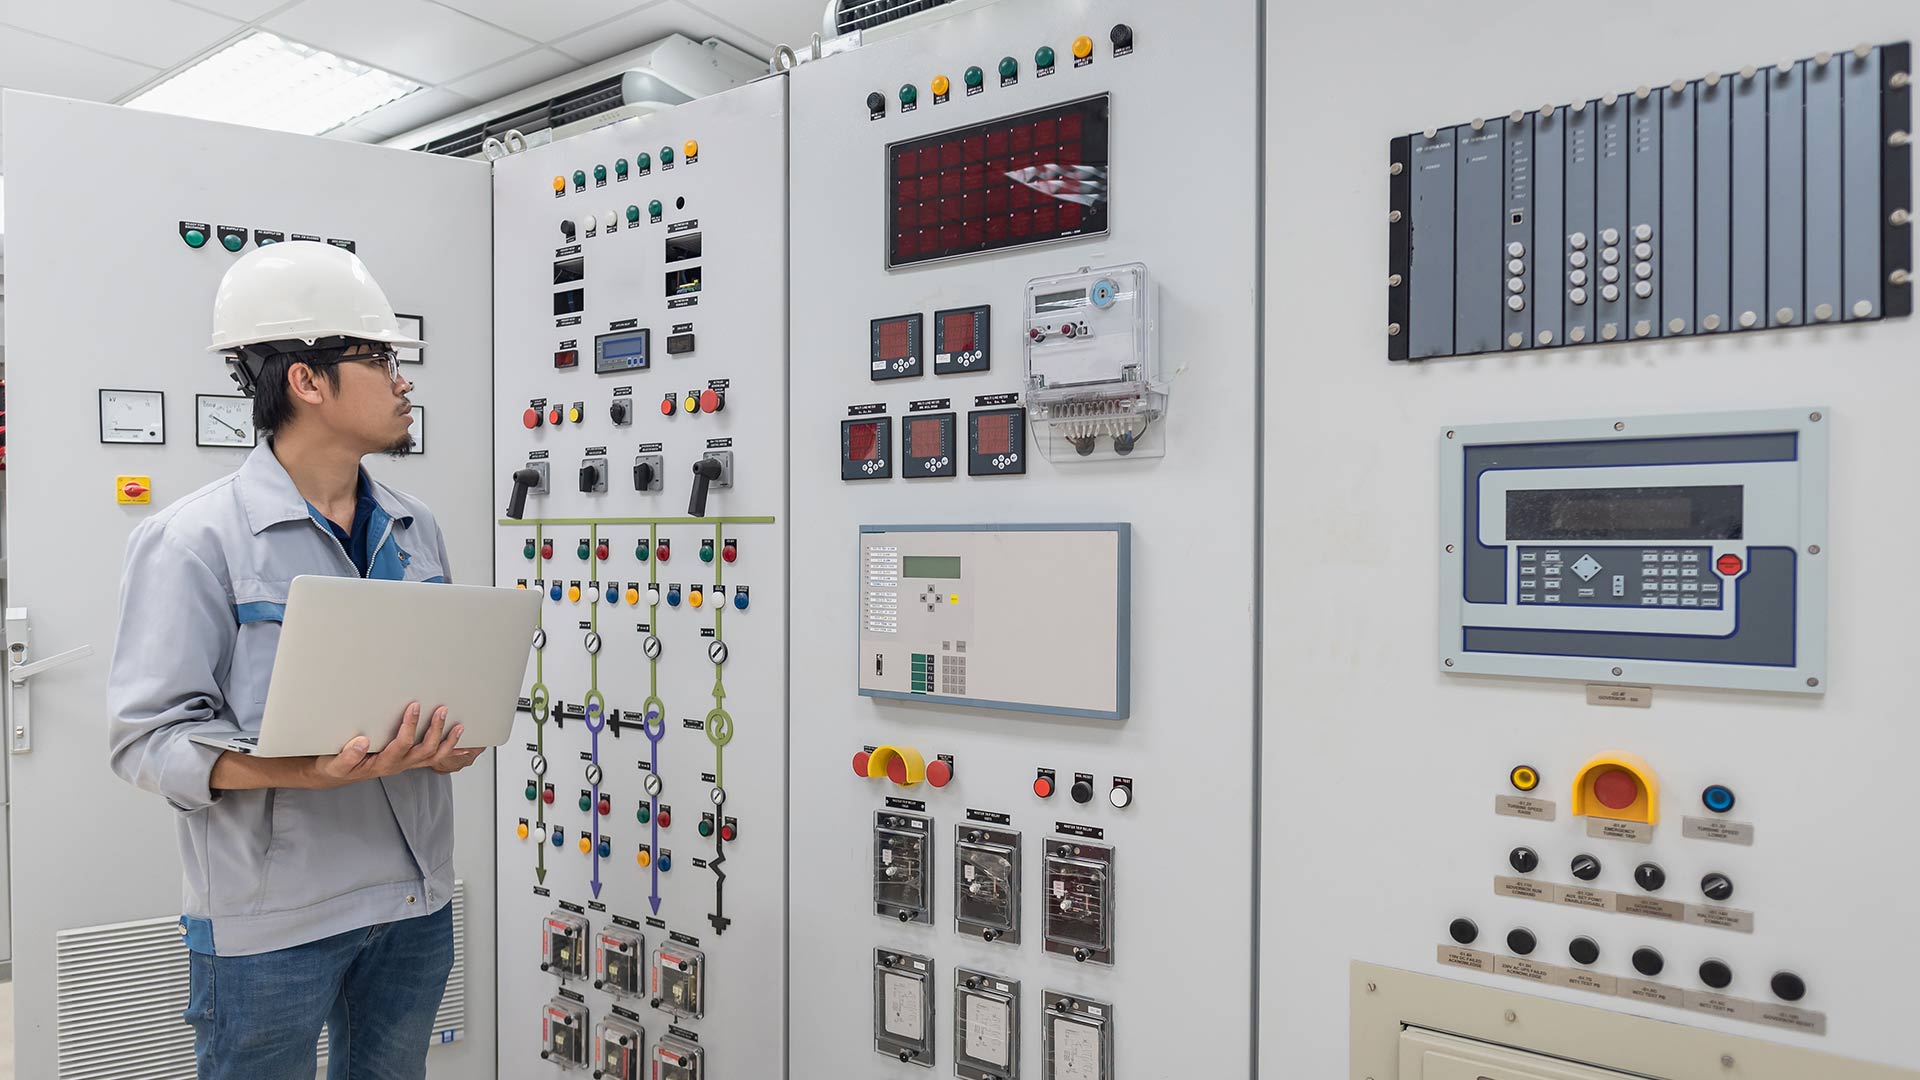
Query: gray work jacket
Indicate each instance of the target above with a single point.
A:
(202, 596)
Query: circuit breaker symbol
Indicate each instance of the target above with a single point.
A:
(563, 1033)
(903, 1007)
(618, 1044)
(1078, 1041)
(1079, 901)
(679, 981)
(903, 867)
(618, 963)
(986, 883)
(986, 1026)
(563, 945)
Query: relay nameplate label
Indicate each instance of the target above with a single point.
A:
(1676, 549)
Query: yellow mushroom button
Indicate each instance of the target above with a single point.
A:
(559, 183)
(692, 149)
(1524, 778)
(586, 843)
(1082, 47)
(645, 858)
(633, 595)
(696, 597)
(940, 86)
(521, 830)
(573, 592)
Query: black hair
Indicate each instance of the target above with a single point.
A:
(272, 403)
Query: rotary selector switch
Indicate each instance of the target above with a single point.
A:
(653, 785)
(717, 652)
(539, 765)
(651, 646)
(1586, 867)
(593, 642)
(594, 775)
(719, 796)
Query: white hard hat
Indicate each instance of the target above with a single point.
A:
(304, 291)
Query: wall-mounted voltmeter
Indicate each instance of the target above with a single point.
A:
(1671, 549)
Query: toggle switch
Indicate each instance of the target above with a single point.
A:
(133, 490)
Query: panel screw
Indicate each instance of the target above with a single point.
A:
(1619, 425)
(1393, 329)
(1821, 59)
(1512, 1016)
(1749, 71)
(1823, 312)
(1610, 100)
(1449, 549)
(1711, 322)
(1900, 217)
(1393, 281)
(1449, 661)
(1373, 987)
(1516, 116)
(1863, 50)
(1726, 1061)
(1679, 86)
(1813, 682)
(1713, 78)
(1862, 308)
(1393, 215)
(1813, 549)
(1546, 337)
(1899, 138)
(1479, 125)
(1395, 169)
(1815, 417)
(1449, 435)
(1900, 277)
(1900, 80)
(1677, 325)
(1618, 671)
(1431, 133)
(1643, 92)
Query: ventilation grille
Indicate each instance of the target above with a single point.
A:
(120, 992)
(580, 104)
(851, 15)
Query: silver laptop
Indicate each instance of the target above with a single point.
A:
(354, 653)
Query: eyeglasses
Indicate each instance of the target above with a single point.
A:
(385, 358)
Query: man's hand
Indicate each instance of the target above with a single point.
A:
(437, 748)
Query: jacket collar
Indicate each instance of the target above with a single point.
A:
(268, 496)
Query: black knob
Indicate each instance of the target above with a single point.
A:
(1082, 791)
(597, 984)
(989, 935)
(1649, 962)
(546, 967)
(906, 1055)
(566, 229)
(545, 1054)
(876, 102)
(973, 984)
(1463, 931)
(1717, 974)
(597, 1074)
(643, 476)
(1649, 876)
(655, 1003)
(523, 481)
(684, 966)
(1586, 867)
(589, 477)
(620, 410)
(906, 916)
(1522, 942)
(1788, 987)
(1718, 887)
(1122, 36)
(1081, 955)
(1524, 860)
(705, 472)
(1584, 950)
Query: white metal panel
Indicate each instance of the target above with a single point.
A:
(1381, 771)
(101, 292)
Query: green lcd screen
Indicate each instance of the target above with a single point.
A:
(932, 566)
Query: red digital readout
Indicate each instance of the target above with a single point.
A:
(957, 332)
(993, 433)
(1024, 179)
(924, 439)
(863, 441)
(895, 339)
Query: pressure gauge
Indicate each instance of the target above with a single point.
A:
(132, 416)
(223, 421)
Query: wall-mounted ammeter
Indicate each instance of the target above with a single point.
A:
(1094, 386)
(1672, 549)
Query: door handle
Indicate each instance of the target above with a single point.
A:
(20, 669)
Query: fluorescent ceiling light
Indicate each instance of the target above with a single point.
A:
(266, 81)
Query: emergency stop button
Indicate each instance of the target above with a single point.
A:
(1729, 565)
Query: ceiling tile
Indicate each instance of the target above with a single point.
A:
(157, 32)
(513, 75)
(543, 21)
(792, 22)
(652, 23)
(244, 10)
(46, 66)
(423, 41)
(411, 111)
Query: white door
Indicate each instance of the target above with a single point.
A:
(104, 293)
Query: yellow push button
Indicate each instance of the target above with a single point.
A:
(586, 844)
(940, 86)
(692, 403)
(692, 149)
(521, 830)
(645, 858)
(1618, 787)
(1524, 778)
(633, 596)
(575, 414)
(1082, 47)
(696, 597)
(559, 184)
(573, 593)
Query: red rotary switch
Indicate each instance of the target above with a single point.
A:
(663, 552)
(604, 550)
(729, 552)
(134, 489)
(939, 773)
(531, 418)
(860, 764)
(711, 401)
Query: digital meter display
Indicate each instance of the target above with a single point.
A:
(1028, 179)
(894, 348)
(957, 330)
(993, 433)
(961, 339)
(931, 566)
(626, 351)
(1637, 513)
(925, 439)
(927, 446)
(863, 448)
(863, 442)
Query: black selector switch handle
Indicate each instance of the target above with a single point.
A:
(523, 481)
(705, 472)
(643, 476)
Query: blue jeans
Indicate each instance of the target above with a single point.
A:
(376, 989)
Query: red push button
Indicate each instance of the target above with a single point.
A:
(1729, 565)
(663, 552)
(939, 773)
(729, 552)
(666, 406)
(546, 549)
(728, 832)
(1043, 786)
(553, 416)
(1616, 789)
(606, 806)
(531, 418)
(604, 550)
(665, 817)
(860, 764)
(711, 401)
(546, 795)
